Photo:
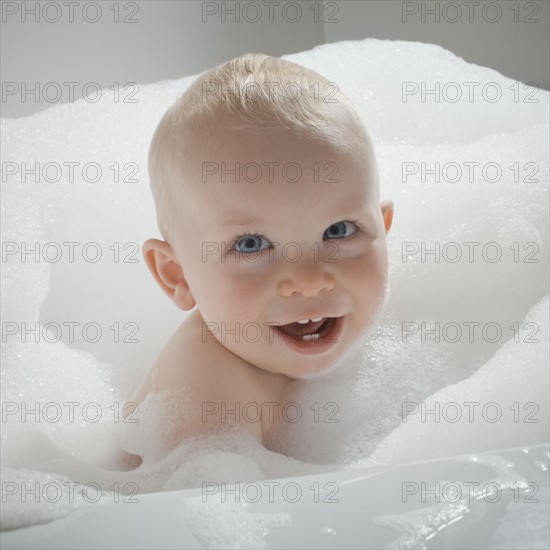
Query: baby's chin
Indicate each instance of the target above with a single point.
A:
(323, 370)
(314, 375)
(346, 358)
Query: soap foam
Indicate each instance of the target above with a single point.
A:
(365, 394)
(221, 524)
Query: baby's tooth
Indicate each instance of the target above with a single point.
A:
(304, 321)
(316, 320)
(311, 336)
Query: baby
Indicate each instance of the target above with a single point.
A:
(266, 190)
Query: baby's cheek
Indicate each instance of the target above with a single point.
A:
(371, 264)
(236, 289)
(366, 275)
(246, 276)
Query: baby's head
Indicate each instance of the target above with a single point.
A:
(266, 190)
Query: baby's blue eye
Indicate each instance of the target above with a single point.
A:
(251, 243)
(338, 230)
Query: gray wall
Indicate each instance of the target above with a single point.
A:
(170, 39)
(483, 32)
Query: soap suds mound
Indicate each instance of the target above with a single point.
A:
(48, 497)
(353, 416)
(221, 524)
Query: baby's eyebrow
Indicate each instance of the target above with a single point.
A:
(236, 220)
(241, 221)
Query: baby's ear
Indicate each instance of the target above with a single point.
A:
(166, 270)
(387, 213)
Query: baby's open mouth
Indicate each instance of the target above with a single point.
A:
(312, 330)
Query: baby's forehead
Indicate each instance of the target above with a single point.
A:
(273, 180)
(270, 146)
(274, 167)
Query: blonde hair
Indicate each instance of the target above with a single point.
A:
(251, 93)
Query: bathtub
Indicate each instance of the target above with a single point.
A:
(377, 470)
(503, 503)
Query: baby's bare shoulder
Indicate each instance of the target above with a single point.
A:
(205, 365)
(201, 377)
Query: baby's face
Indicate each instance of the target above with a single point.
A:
(272, 252)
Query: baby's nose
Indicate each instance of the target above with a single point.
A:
(307, 278)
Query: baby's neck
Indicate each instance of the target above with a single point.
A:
(276, 385)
